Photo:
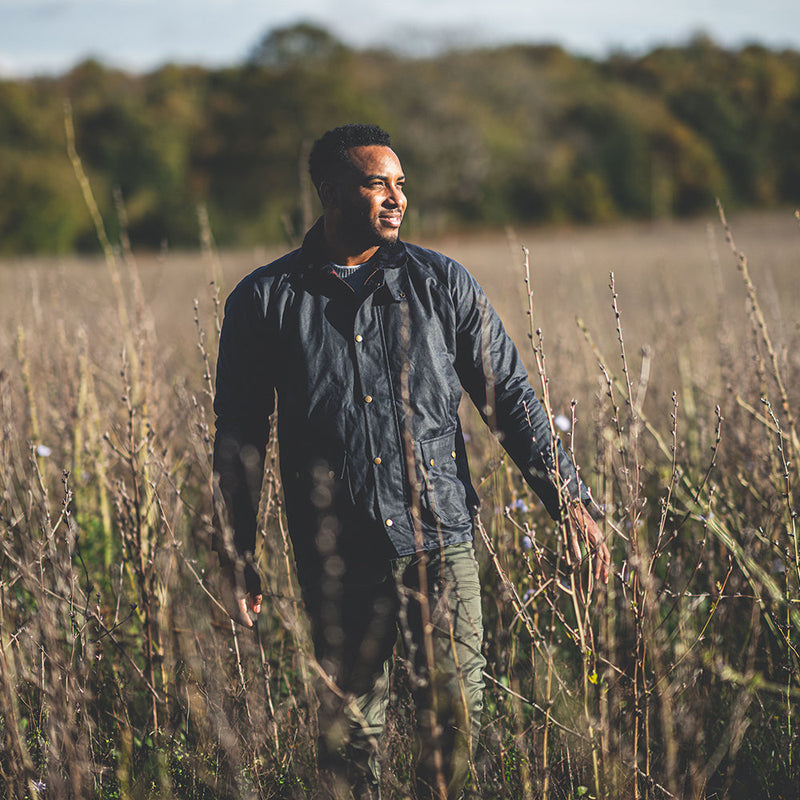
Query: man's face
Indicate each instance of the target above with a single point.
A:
(369, 199)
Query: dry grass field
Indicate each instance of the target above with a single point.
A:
(121, 678)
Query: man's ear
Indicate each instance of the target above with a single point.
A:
(328, 194)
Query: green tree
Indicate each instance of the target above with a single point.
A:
(298, 45)
(488, 136)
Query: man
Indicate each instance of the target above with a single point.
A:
(367, 342)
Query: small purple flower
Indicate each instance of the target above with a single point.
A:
(562, 423)
(520, 505)
(527, 596)
(43, 451)
(40, 786)
(778, 566)
(526, 543)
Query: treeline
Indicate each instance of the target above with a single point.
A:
(515, 134)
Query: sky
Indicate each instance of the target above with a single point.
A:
(51, 36)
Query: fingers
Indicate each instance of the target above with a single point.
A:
(602, 556)
(594, 541)
(602, 560)
(575, 528)
(244, 617)
(238, 602)
(575, 545)
(247, 604)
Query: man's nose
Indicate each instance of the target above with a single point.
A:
(395, 197)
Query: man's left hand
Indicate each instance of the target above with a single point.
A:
(583, 528)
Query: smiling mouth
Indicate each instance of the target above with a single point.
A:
(392, 220)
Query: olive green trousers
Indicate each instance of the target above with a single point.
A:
(434, 601)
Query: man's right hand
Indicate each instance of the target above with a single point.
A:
(235, 597)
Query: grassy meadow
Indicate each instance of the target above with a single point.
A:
(121, 677)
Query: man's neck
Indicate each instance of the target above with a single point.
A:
(343, 252)
(348, 259)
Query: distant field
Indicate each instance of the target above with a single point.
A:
(667, 273)
(678, 286)
(120, 678)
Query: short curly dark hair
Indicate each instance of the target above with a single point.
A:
(329, 154)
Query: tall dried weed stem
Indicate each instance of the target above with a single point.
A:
(121, 676)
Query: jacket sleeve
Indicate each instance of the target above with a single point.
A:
(491, 371)
(243, 402)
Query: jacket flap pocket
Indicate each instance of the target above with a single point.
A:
(439, 452)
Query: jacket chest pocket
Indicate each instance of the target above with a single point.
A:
(442, 493)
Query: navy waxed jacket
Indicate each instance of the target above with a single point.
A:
(368, 384)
